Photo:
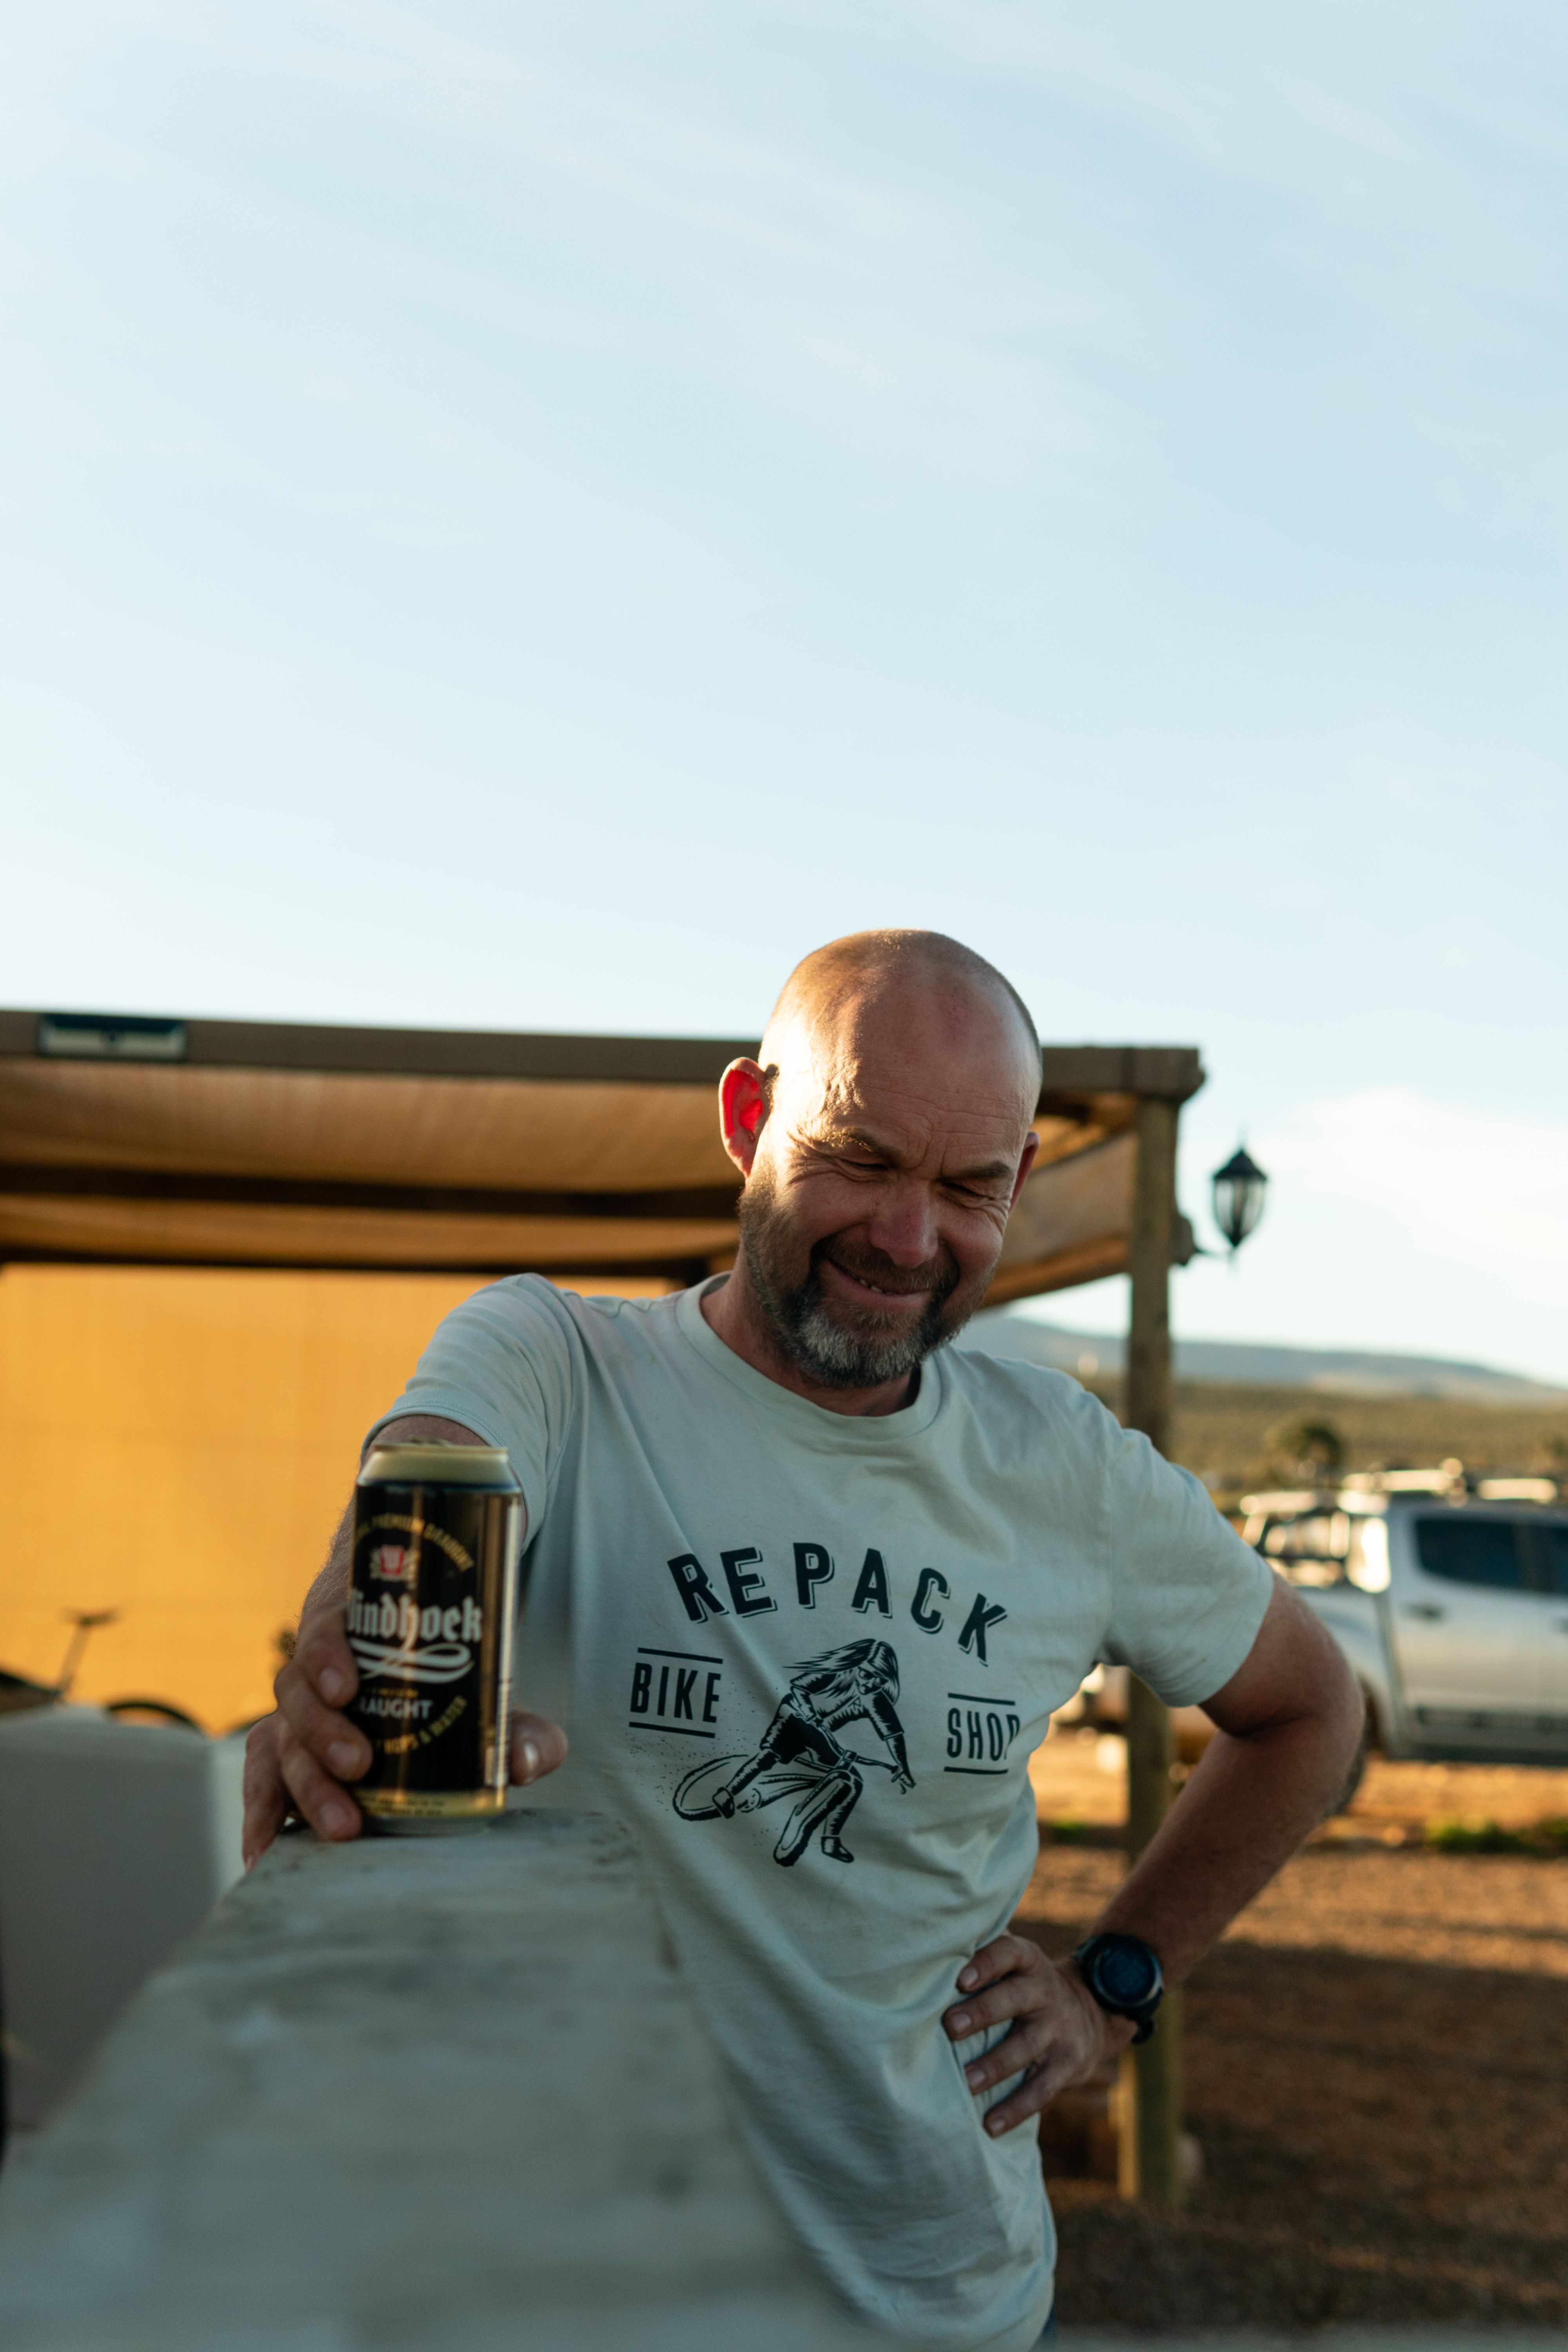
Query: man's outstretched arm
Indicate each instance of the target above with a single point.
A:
(885, 1715)
(304, 1754)
(1288, 1725)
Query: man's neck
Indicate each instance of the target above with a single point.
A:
(732, 1314)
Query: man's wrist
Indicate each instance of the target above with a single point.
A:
(1114, 2033)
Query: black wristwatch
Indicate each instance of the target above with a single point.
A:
(1125, 1978)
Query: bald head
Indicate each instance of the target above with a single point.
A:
(883, 1134)
(837, 998)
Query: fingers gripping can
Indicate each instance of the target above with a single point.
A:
(432, 1599)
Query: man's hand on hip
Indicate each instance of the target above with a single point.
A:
(1059, 2031)
(304, 1757)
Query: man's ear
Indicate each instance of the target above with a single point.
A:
(1031, 1145)
(745, 1093)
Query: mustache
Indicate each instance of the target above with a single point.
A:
(939, 1275)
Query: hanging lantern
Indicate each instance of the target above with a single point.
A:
(1238, 1190)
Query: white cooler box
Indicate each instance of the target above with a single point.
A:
(116, 1840)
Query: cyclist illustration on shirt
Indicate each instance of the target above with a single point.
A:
(800, 1754)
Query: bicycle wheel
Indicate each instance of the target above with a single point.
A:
(152, 1710)
(690, 1799)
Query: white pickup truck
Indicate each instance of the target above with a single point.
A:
(1450, 1598)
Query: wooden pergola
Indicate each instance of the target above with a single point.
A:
(134, 1142)
(131, 1141)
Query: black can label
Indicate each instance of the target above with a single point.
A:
(429, 1621)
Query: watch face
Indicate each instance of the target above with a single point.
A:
(1127, 1972)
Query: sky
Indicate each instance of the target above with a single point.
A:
(533, 518)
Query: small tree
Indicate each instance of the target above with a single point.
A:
(1313, 1449)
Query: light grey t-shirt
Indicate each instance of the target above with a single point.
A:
(806, 1657)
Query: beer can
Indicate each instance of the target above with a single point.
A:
(432, 1600)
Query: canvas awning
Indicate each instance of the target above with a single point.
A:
(137, 1141)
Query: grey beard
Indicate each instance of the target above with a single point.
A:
(837, 1359)
(805, 1328)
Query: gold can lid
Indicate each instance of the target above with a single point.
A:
(436, 1462)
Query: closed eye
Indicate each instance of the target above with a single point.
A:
(980, 1194)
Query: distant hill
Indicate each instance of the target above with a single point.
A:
(1254, 1364)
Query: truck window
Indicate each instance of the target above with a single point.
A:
(1472, 1551)
(1553, 1540)
(1310, 1551)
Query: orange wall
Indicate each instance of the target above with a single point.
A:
(177, 1446)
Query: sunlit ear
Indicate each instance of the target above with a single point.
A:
(743, 1111)
(1031, 1145)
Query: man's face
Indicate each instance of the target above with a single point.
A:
(876, 1205)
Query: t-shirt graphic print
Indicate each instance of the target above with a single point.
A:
(800, 1755)
(806, 1656)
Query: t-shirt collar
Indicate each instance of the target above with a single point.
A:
(858, 1432)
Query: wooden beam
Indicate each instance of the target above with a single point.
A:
(1070, 1073)
(28, 1179)
(1150, 2125)
(1072, 1076)
(312, 1046)
(1151, 2121)
(1148, 1398)
(1089, 1262)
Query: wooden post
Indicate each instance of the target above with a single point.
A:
(1150, 2116)
(1147, 1389)
(1151, 2120)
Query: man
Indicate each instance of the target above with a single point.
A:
(786, 1465)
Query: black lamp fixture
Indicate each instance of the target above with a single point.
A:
(1238, 1190)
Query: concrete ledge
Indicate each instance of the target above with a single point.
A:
(116, 1840)
(436, 2095)
(1433, 2336)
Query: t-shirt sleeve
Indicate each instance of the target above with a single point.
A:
(502, 1363)
(1187, 1596)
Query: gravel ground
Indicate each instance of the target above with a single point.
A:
(1377, 2074)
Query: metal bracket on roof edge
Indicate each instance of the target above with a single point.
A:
(111, 1037)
